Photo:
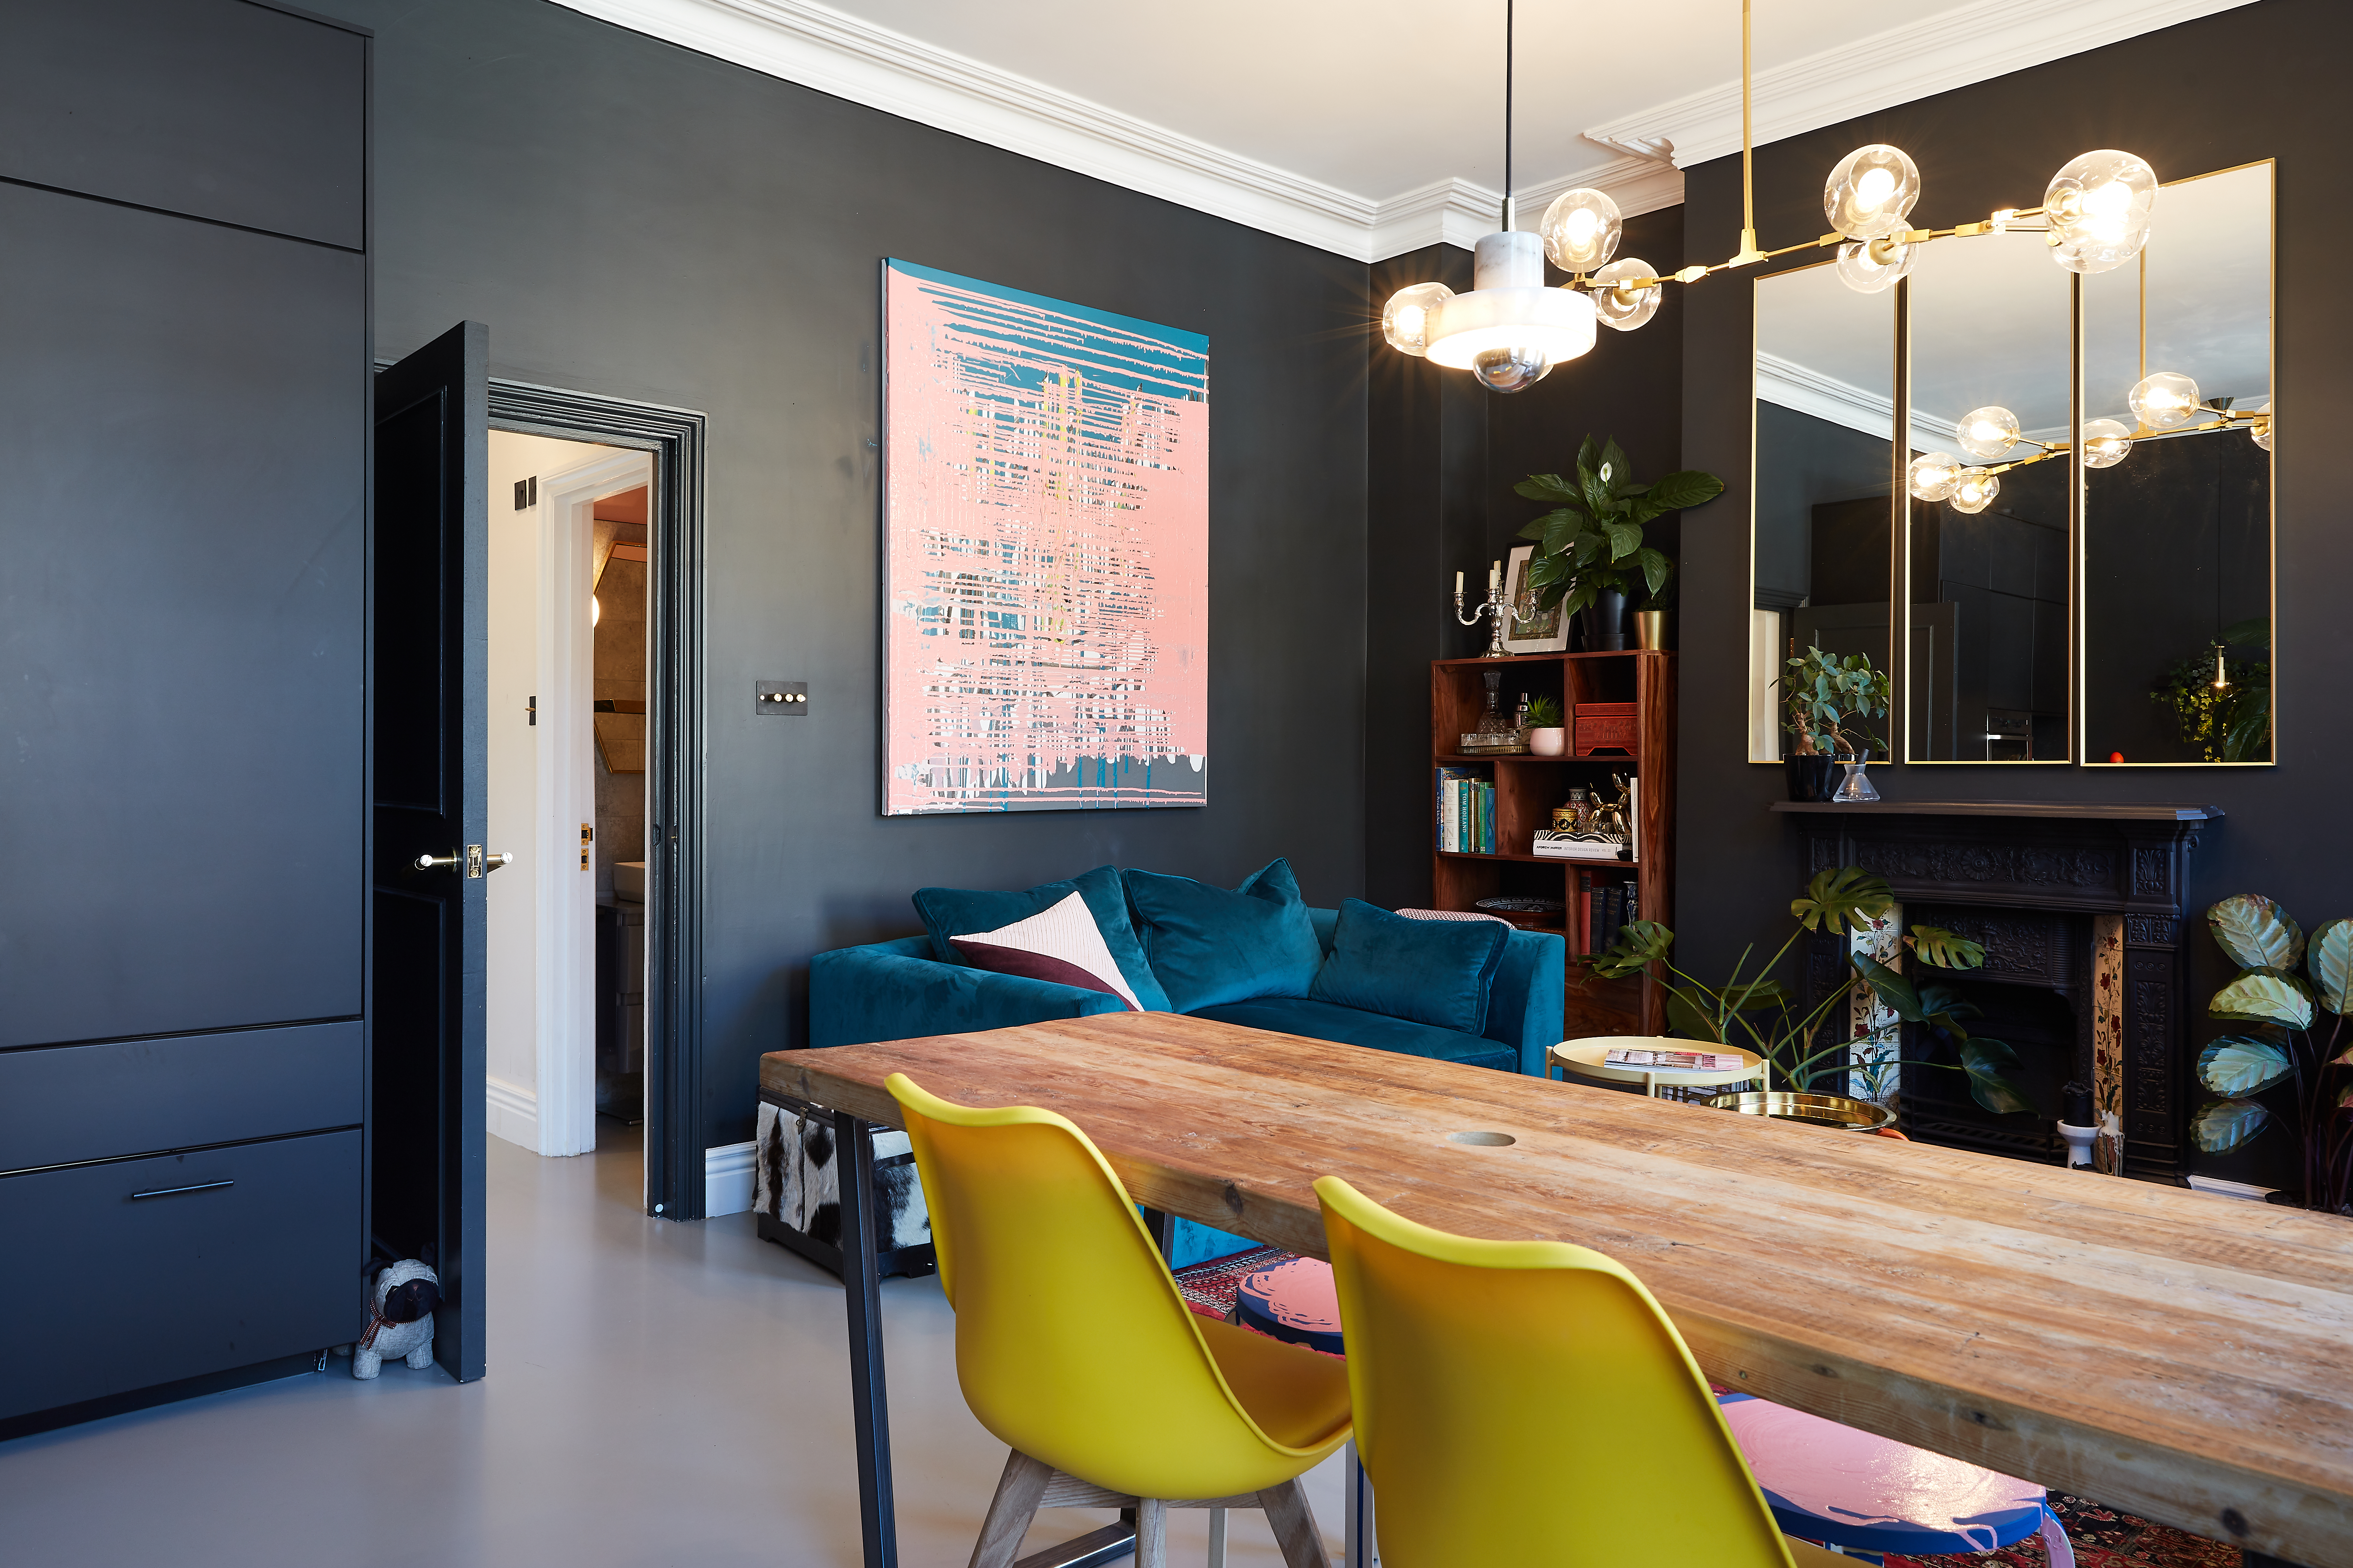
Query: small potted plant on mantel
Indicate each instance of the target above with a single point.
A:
(1826, 700)
(1547, 736)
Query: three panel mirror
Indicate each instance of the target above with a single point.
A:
(2113, 610)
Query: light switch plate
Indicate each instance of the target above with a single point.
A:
(783, 699)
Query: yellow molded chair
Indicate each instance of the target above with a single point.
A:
(1074, 1346)
(1527, 1403)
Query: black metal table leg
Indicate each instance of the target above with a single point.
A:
(870, 1394)
(1162, 1227)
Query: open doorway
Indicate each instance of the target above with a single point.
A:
(569, 701)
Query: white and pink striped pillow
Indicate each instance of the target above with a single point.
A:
(1060, 944)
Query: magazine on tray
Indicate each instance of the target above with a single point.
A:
(1675, 1061)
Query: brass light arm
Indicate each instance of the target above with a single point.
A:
(2002, 221)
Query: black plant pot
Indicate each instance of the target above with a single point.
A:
(1605, 622)
(1810, 778)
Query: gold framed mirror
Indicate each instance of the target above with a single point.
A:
(2178, 556)
(1988, 502)
(1822, 483)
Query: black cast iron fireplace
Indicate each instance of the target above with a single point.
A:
(2035, 883)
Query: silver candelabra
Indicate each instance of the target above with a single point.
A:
(1496, 609)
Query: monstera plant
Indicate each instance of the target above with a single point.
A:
(2294, 1036)
(1761, 1015)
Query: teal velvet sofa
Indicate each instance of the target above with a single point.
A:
(898, 990)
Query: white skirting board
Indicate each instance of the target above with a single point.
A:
(727, 1179)
(513, 1114)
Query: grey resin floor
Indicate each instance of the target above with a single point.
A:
(658, 1394)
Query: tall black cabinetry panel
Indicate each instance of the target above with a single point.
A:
(183, 556)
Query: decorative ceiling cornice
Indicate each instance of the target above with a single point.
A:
(1971, 43)
(835, 53)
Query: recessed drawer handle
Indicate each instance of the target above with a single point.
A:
(167, 1192)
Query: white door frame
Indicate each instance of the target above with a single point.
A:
(567, 892)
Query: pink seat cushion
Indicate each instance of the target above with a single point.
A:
(1847, 1487)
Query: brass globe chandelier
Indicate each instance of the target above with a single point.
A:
(1510, 330)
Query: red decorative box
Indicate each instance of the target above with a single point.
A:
(1605, 727)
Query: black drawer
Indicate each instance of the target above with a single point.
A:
(110, 1292)
(213, 108)
(64, 1103)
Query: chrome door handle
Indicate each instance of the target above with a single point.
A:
(492, 862)
(438, 862)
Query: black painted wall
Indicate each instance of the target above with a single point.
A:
(1444, 454)
(636, 220)
(2254, 82)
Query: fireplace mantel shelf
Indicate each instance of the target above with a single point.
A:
(2067, 810)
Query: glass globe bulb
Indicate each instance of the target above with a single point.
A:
(1513, 368)
(1626, 308)
(1988, 432)
(2262, 428)
(1872, 192)
(1974, 489)
(2164, 400)
(1581, 230)
(2107, 443)
(2099, 209)
(1406, 319)
(1932, 474)
(1869, 265)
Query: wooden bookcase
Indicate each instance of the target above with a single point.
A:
(1528, 787)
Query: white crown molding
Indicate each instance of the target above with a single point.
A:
(817, 46)
(1971, 43)
(1808, 391)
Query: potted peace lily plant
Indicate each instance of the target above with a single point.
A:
(1758, 1013)
(1589, 551)
(2293, 1038)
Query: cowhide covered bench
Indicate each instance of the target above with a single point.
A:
(796, 1189)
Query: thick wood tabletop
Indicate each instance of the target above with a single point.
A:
(2186, 1358)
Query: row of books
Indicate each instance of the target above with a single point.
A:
(1466, 812)
(1603, 905)
(1557, 845)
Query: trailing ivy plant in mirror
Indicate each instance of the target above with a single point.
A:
(1822, 537)
(2177, 653)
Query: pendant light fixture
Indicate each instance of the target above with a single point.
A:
(1509, 331)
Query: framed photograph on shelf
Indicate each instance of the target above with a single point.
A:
(1530, 630)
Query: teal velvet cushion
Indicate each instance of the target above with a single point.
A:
(957, 911)
(1208, 945)
(1432, 972)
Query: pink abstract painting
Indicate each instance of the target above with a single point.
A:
(1046, 517)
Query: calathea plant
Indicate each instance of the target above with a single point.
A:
(1592, 539)
(1761, 1015)
(2286, 1042)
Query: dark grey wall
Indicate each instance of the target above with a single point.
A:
(635, 220)
(1444, 454)
(2254, 82)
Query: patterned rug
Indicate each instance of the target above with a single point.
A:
(2103, 1538)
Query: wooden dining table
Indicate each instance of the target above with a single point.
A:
(2182, 1357)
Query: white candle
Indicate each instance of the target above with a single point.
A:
(1458, 584)
(1495, 579)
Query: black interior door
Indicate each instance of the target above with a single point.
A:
(431, 804)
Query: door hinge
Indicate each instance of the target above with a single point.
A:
(532, 710)
(587, 836)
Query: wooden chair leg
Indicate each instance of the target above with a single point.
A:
(1294, 1523)
(1010, 1510)
(1150, 1533)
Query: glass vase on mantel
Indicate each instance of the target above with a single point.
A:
(1856, 787)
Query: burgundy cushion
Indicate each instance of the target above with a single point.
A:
(1060, 944)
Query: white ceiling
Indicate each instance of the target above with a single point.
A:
(1376, 127)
